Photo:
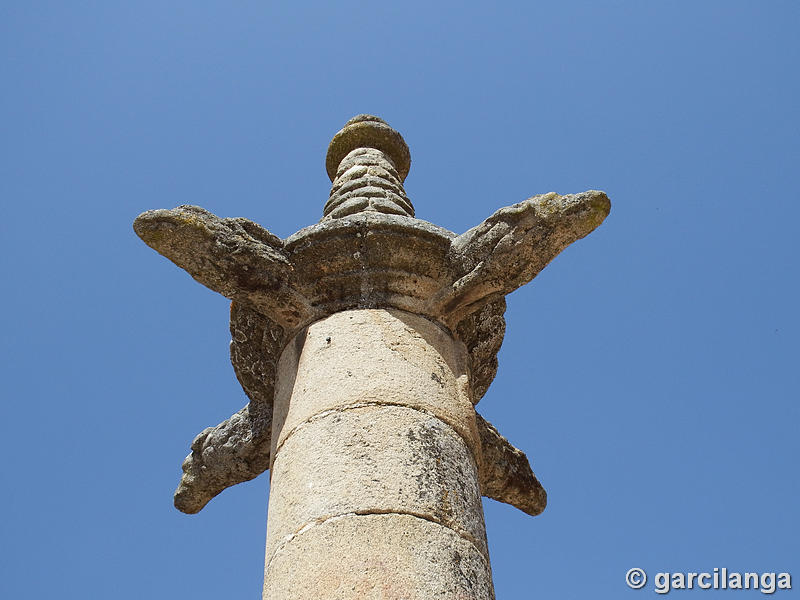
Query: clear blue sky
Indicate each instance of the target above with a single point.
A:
(650, 372)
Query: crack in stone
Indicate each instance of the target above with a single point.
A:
(364, 404)
(365, 513)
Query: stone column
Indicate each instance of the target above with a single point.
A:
(363, 343)
(374, 489)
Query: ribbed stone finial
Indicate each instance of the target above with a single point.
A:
(367, 162)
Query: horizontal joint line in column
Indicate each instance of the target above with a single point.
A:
(365, 513)
(365, 404)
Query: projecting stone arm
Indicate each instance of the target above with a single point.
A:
(235, 257)
(238, 449)
(512, 246)
(234, 451)
(506, 474)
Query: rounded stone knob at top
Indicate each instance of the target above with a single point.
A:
(367, 131)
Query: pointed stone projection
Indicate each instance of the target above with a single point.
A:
(363, 344)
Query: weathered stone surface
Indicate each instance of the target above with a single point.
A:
(506, 474)
(256, 343)
(372, 416)
(235, 257)
(374, 459)
(366, 180)
(368, 131)
(512, 246)
(373, 356)
(237, 449)
(369, 260)
(378, 557)
(482, 333)
(234, 451)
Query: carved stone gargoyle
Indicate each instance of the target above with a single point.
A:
(368, 251)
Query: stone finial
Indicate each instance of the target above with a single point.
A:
(368, 131)
(367, 162)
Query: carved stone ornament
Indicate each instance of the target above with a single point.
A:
(367, 252)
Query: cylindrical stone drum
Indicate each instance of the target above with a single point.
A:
(374, 488)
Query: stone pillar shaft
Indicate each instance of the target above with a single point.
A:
(374, 477)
